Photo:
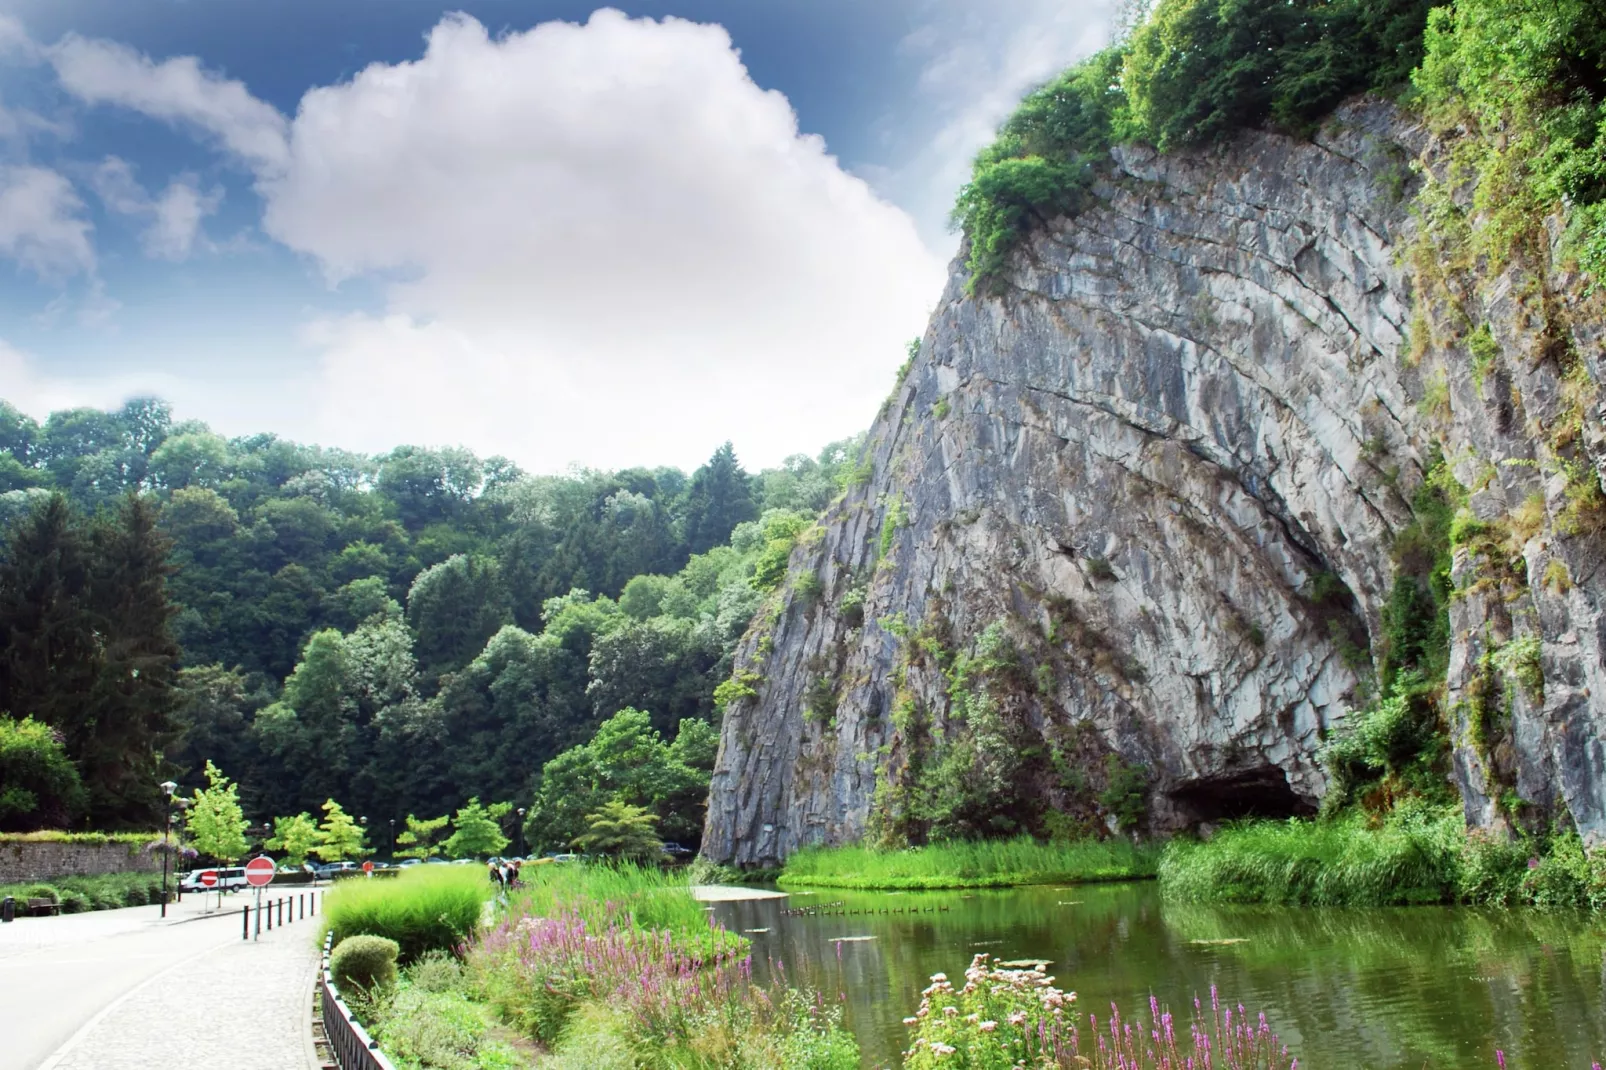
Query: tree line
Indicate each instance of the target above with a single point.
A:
(402, 632)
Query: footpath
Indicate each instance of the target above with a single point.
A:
(127, 990)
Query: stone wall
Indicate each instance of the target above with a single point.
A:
(42, 861)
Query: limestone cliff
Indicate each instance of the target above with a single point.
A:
(1130, 525)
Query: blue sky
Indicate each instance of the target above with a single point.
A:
(532, 228)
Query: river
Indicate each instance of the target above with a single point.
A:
(1347, 989)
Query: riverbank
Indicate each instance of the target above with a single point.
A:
(1418, 854)
(971, 864)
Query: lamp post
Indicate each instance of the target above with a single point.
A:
(168, 788)
(521, 832)
(393, 839)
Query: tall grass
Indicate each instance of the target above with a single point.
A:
(649, 899)
(971, 864)
(1413, 857)
(426, 908)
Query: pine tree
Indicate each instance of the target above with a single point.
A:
(136, 695)
(295, 836)
(719, 498)
(419, 839)
(339, 837)
(215, 822)
(49, 651)
(476, 831)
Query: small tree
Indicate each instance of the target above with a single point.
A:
(215, 822)
(295, 836)
(419, 839)
(339, 837)
(477, 830)
(623, 831)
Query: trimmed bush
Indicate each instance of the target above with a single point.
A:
(75, 903)
(41, 891)
(364, 962)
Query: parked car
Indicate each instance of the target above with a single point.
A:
(228, 879)
(330, 870)
(404, 863)
(564, 857)
(675, 850)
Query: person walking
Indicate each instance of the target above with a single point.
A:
(495, 873)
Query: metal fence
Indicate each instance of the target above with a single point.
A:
(281, 911)
(353, 1048)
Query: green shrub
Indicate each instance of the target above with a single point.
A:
(41, 891)
(364, 962)
(438, 1030)
(39, 785)
(75, 903)
(427, 908)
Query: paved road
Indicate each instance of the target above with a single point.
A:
(123, 990)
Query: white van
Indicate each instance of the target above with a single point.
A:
(228, 880)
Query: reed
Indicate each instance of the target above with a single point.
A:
(971, 864)
(425, 908)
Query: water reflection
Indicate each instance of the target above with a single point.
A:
(1395, 989)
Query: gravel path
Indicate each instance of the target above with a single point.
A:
(135, 993)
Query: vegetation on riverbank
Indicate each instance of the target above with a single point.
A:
(1415, 854)
(971, 864)
(595, 966)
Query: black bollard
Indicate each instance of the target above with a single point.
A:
(270, 917)
(245, 922)
(8, 909)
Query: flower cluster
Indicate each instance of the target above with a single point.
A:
(1005, 1019)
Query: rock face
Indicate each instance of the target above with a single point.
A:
(1137, 515)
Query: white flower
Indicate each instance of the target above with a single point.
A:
(943, 1049)
(911, 1021)
(1017, 1018)
(951, 1012)
(987, 1027)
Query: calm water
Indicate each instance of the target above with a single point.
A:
(1391, 989)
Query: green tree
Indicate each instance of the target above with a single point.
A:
(339, 837)
(477, 831)
(419, 839)
(454, 608)
(622, 831)
(39, 787)
(719, 498)
(215, 822)
(295, 836)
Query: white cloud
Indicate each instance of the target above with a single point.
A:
(41, 225)
(976, 64)
(613, 246)
(177, 90)
(175, 215)
(39, 393)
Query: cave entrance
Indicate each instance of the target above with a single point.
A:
(1258, 792)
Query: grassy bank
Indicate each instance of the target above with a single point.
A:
(1418, 854)
(599, 967)
(971, 864)
(78, 894)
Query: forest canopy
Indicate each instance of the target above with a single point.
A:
(400, 632)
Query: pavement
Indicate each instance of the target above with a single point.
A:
(128, 990)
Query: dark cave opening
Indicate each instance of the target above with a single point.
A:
(1258, 792)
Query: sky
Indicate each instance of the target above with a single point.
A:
(541, 229)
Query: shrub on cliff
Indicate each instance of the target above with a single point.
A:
(1193, 72)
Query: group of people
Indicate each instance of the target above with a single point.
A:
(505, 874)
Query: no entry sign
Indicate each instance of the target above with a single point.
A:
(259, 872)
(208, 878)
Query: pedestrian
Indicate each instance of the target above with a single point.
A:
(507, 874)
(496, 874)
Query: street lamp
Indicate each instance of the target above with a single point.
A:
(168, 788)
(521, 832)
(393, 839)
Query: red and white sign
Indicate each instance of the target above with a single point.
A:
(208, 878)
(259, 872)
(367, 867)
